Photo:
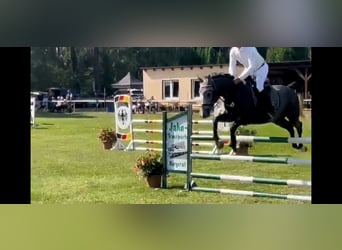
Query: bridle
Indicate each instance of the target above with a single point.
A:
(210, 86)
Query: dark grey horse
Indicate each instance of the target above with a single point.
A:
(243, 108)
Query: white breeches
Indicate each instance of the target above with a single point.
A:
(260, 77)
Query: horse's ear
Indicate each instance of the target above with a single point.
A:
(200, 79)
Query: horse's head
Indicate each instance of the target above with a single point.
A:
(209, 96)
(211, 89)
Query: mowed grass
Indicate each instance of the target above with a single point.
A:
(69, 166)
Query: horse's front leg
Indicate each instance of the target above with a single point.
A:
(216, 138)
(233, 141)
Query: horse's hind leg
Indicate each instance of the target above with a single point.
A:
(299, 127)
(295, 122)
(288, 126)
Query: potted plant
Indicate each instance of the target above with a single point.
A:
(150, 167)
(107, 137)
(244, 146)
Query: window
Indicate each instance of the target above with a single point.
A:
(170, 89)
(195, 87)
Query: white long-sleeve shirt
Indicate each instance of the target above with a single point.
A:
(249, 57)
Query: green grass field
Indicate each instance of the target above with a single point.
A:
(69, 166)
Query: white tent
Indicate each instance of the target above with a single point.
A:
(128, 82)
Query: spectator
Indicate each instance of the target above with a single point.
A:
(151, 105)
(59, 105)
(45, 102)
(69, 95)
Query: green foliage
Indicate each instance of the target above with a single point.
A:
(288, 54)
(107, 135)
(149, 163)
(49, 68)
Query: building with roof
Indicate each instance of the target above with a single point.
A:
(181, 83)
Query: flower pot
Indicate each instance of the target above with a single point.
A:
(153, 181)
(107, 145)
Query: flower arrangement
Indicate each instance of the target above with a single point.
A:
(150, 163)
(107, 135)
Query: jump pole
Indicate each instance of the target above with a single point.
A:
(252, 193)
(251, 179)
(246, 138)
(281, 160)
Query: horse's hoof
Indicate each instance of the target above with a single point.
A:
(304, 149)
(219, 144)
(232, 152)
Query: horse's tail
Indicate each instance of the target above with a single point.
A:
(300, 100)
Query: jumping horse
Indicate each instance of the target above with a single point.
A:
(243, 108)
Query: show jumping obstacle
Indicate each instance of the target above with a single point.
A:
(192, 186)
(177, 131)
(200, 136)
(126, 133)
(187, 162)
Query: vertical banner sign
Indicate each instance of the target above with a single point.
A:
(123, 120)
(33, 110)
(176, 143)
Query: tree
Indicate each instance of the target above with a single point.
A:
(75, 70)
(96, 70)
(288, 54)
(262, 51)
(49, 67)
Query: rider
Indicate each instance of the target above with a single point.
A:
(255, 66)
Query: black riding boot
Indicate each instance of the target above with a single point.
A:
(265, 97)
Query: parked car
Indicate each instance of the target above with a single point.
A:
(136, 94)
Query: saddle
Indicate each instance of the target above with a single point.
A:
(267, 99)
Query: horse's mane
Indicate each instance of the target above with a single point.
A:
(222, 81)
(216, 75)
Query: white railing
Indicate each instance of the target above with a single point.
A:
(100, 103)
